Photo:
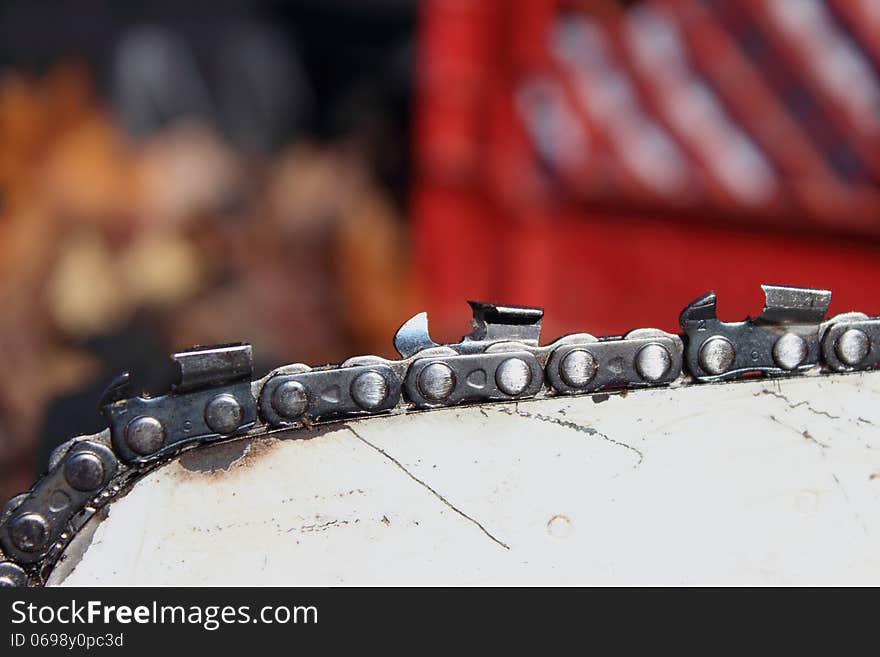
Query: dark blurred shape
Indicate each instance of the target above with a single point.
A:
(137, 344)
(156, 81)
(253, 86)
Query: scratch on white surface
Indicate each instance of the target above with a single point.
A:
(792, 405)
(427, 487)
(574, 426)
(321, 526)
(806, 434)
(849, 503)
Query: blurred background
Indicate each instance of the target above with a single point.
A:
(306, 174)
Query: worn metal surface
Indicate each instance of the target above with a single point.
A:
(769, 481)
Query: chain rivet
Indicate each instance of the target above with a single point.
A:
(145, 434)
(790, 351)
(578, 368)
(223, 413)
(437, 381)
(852, 347)
(12, 575)
(29, 532)
(513, 376)
(369, 390)
(717, 355)
(290, 399)
(84, 471)
(653, 362)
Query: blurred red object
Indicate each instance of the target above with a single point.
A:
(612, 163)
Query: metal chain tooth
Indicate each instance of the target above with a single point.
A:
(499, 360)
(783, 339)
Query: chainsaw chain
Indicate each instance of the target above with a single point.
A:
(500, 360)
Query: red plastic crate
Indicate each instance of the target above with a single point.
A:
(581, 235)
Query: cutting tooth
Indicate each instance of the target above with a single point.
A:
(786, 304)
(702, 308)
(413, 337)
(494, 321)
